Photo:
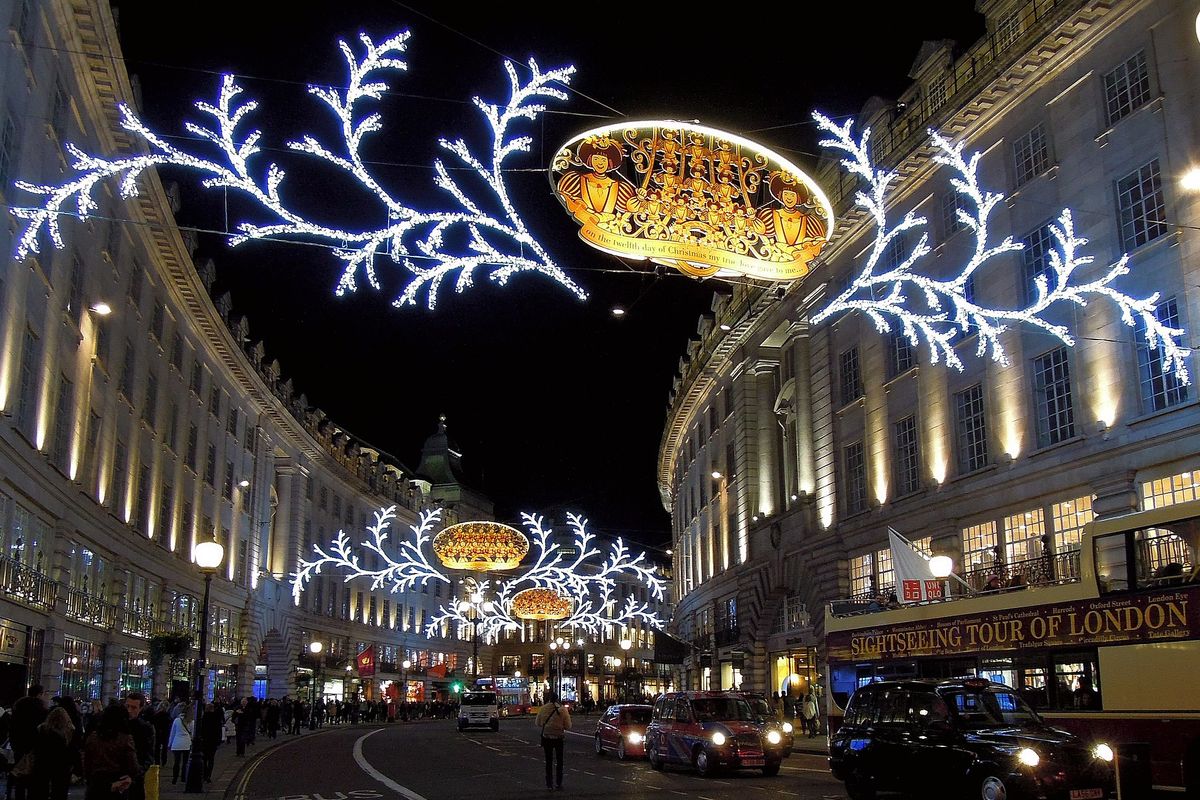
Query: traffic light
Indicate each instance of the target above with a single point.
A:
(456, 687)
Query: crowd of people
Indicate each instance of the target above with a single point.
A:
(804, 711)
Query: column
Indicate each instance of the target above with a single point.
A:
(287, 526)
(54, 638)
(114, 651)
(806, 468)
(768, 435)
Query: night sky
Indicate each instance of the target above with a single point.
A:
(555, 403)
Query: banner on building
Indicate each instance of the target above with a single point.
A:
(366, 662)
(914, 582)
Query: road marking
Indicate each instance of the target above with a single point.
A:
(376, 774)
(240, 794)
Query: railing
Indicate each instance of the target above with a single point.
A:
(702, 641)
(90, 608)
(1040, 571)
(26, 585)
(727, 636)
(139, 623)
(227, 644)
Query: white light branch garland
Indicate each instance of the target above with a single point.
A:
(431, 246)
(948, 310)
(593, 588)
(408, 569)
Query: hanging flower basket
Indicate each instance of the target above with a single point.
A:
(169, 644)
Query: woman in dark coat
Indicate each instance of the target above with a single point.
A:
(212, 733)
(109, 759)
(53, 757)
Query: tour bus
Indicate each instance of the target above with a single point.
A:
(1106, 646)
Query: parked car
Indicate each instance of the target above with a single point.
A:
(622, 730)
(709, 731)
(966, 738)
(771, 721)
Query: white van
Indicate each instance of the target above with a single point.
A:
(478, 710)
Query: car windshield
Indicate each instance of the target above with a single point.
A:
(635, 716)
(761, 709)
(711, 709)
(479, 699)
(990, 708)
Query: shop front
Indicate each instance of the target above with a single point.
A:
(136, 673)
(82, 669)
(14, 662)
(794, 672)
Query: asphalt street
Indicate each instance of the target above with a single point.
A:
(432, 761)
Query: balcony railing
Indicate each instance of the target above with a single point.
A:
(26, 585)
(138, 623)
(702, 641)
(90, 608)
(727, 636)
(227, 644)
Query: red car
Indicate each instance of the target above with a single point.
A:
(709, 731)
(622, 729)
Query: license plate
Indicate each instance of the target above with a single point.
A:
(1087, 794)
(753, 762)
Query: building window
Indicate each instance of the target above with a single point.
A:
(210, 466)
(8, 147)
(162, 532)
(337, 505)
(58, 108)
(136, 278)
(979, 543)
(150, 405)
(856, 477)
(127, 371)
(1160, 389)
(952, 201)
(1023, 536)
(1008, 30)
(908, 466)
(27, 396)
(900, 354)
(197, 382)
(214, 400)
(885, 573)
(142, 511)
(1126, 88)
(158, 322)
(1069, 517)
(971, 429)
(231, 423)
(1142, 207)
(63, 425)
(323, 498)
(862, 575)
(1035, 255)
(177, 352)
(192, 443)
(75, 296)
(1052, 394)
(1030, 154)
(173, 426)
(937, 94)
(1168, 491)
(227, 484)
(851, 378)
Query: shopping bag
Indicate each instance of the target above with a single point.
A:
(152, 773)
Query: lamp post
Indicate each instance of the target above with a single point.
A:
(471, 608)
(626, 643)
(558, 648)
(404, 665)
(315, 648)
(208, 557)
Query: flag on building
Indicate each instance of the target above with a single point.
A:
(914, 582)
(366, 662)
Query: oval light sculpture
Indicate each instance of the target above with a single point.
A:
(941, 566)
(480, 546)
(540, 604)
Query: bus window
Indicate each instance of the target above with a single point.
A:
(999, 670)
(1033, 687)
(1077, 682)
(842, 679)
(1112, 567)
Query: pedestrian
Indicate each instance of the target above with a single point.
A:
(554, 720)
(110, 762)
(143, 742)
(162, 720)
(53, 757)
(27, 714)
(789, 707)
(243, 723)
(182, 730)
(212, 731)
(272, 718)
(808, 710)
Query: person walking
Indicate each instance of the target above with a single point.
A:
(554, 720)
(180, 743)
(110, 762)
(27, 714)
(808, 710)
(162, 721)
(53, 757)
(212, 733)
(143, 742)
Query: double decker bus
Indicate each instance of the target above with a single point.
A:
(1109, 649)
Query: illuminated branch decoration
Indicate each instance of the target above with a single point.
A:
(592, 586)
(948, 308)
(408, 569)
(432, 247)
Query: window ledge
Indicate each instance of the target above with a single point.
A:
(911, 372)
(1168, 239)
(859, 401)
(1144, 418)
(1076, 439)
(1153, 104)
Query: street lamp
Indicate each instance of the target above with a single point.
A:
(558, 648)
(208, 558)
(404, 665)
(315, 648)
(473, 606)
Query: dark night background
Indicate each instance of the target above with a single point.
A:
(554, 402)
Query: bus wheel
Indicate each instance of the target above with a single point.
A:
(992, 788)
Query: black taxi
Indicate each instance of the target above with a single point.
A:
(969, 738)
(710, 731)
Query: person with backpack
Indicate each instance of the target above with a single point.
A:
(554, 720)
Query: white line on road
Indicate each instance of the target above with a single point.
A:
(376, 774)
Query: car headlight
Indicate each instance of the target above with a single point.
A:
(773, 737)
(1029, 757)
(634, 737)
(1102, 752)
(787, 727)
(718, 738)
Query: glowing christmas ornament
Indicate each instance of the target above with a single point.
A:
(480, 546)
(944, 308)
(597, 592)
(540, 604)
(433, 247)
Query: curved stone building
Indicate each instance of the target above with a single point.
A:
(791, 448)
